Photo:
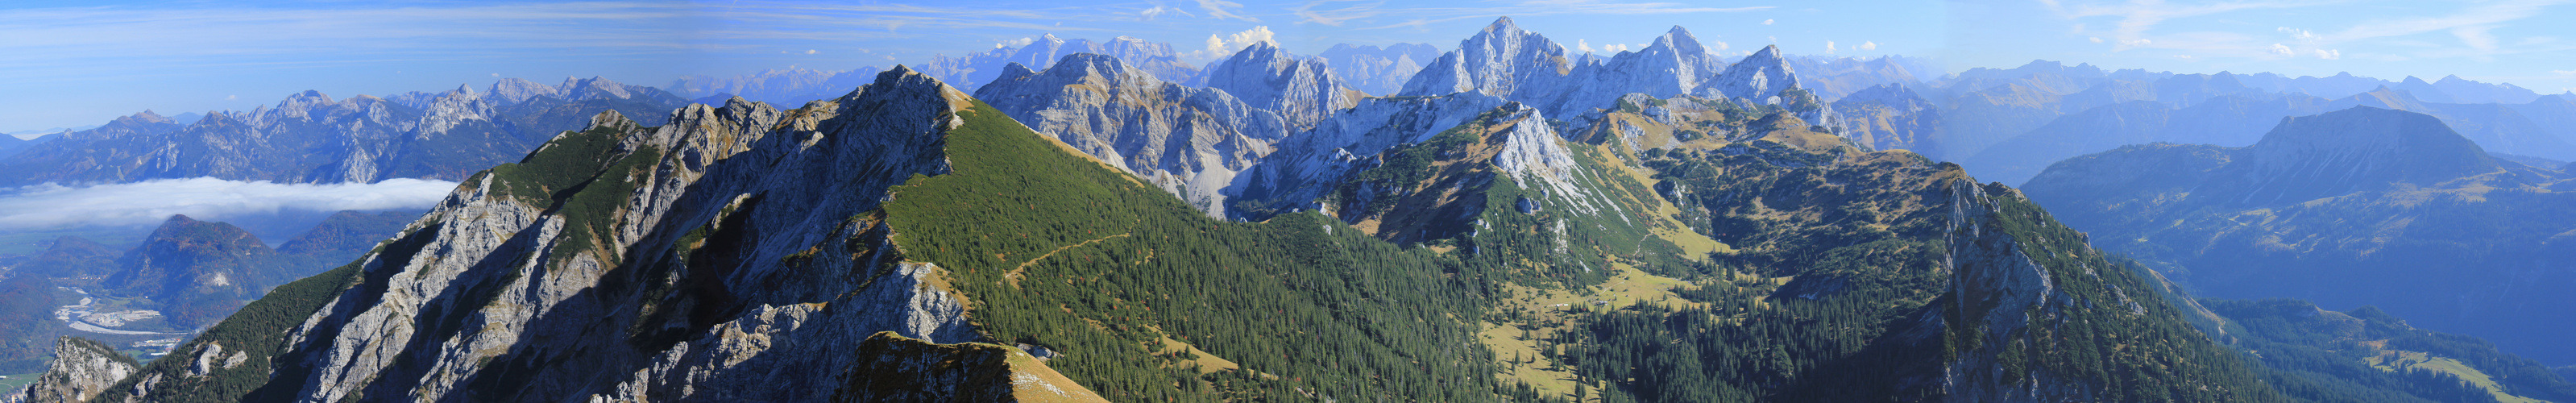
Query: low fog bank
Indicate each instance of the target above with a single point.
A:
(273, 211)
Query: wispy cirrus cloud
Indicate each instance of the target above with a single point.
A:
(2136, 17)
(1317, 12)
(2465, 23)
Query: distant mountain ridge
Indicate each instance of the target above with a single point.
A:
(2361, 206)
(312, 138)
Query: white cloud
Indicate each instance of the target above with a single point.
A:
(1766, 22)
(1335, 17)
(2476, 37)
(1582, 45)
(2483, 14)
(2096, 39)
(1013, 43)
(2329, 54)
(1160, 10)
(1829, 47)
(53, 206)
(809, 51)
(232, 97)
(2283, 50)
(1225, 45)
(2299, 34)
(2136, 17)
(1867, 45)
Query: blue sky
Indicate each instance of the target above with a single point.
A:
(72, 66)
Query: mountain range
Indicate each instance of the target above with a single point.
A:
(311, 138)
(2360, 206)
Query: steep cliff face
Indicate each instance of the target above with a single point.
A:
(1310, 165)
(1758, 77)
(1502, 60)
(1188, 141)
(2031, 302)
(1493, 174)
(82, 369)
(1675, 64)
(1302, 91)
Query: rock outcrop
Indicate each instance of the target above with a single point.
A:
(82, 369)
(1188, 141)
(1307, 166)
(904, 369)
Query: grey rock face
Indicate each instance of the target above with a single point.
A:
(1188, 141)
(1502, 61)
(81, 369)
(1307, 164)
(1300, 91)
(502, 294)
(1377, 70)
(1758, 77)
(1989, 261)
(1675, 64)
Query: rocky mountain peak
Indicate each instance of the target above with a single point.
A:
(1502, 25)
(1501, 60)
(595, 88)
(82, 368)
(1303, 91)
(516, 90)
(1680, 40)
(1758, 78)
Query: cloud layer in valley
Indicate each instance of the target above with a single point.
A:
(55, 206)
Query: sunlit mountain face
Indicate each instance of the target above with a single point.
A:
(1219, 201)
